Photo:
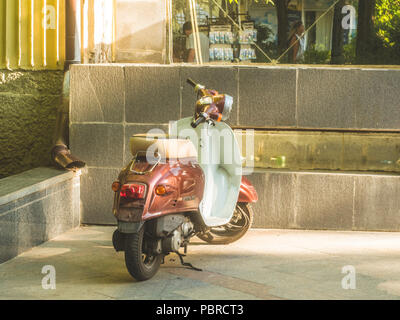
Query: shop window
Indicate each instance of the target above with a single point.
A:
(227, 33)
(242, 33)
(250, 31)
(311, 36)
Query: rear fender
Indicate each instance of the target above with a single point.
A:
(129, 227)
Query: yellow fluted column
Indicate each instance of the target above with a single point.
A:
(26, 34)
(2, 33)
(32, 34)
(51, 25)
(12, 34)
(38, 34)
(61, 35)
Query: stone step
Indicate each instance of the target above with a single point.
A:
(36, 206)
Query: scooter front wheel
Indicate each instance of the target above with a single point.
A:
(236, 228)
(140, 265)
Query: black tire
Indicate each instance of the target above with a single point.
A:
(238, 226)
(118, 241)
(140, 265)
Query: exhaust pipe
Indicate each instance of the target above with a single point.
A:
(60, 153)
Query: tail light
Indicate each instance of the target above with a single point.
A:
(133, 191)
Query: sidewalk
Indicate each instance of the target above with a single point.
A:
(266, 264)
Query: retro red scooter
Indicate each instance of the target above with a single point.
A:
(185, 184)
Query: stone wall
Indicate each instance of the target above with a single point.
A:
(28, 108)
(324, 200)
(109, 103)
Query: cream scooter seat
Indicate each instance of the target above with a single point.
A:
(220, 158)
(168, 147)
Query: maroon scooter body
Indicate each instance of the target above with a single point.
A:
(184, 183)
(247, 192)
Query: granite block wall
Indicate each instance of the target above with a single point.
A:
(111, 102)
(323, 200)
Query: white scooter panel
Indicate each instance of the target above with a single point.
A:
(220, 158)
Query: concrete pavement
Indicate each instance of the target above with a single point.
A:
(265, 264)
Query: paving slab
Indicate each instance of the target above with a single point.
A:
(265, 264)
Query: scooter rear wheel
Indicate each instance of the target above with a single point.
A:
(236, 228)
(118, 241)
(140, 265)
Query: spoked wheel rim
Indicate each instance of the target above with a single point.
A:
(232, 231)
(239, 221)
(148, 260)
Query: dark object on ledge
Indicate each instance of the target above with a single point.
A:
(60, 153)
(62, 156)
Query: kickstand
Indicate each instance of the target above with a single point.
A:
(186, 264)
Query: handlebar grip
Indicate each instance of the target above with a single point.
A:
(191, 82)
(196, 123)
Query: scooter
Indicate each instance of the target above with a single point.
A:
(181, 185)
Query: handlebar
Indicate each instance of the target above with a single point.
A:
(191, 82)
(196, 123)
(203, 117)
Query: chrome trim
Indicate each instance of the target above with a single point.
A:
(199, 87)
(227, 107)
(144, 172)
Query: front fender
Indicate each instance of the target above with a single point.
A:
(247, 192)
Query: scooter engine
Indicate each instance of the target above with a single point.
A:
(172, 243)
(173, 230)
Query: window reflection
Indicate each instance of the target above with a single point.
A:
(331, 28)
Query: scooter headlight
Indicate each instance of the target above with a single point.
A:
(227, 107)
